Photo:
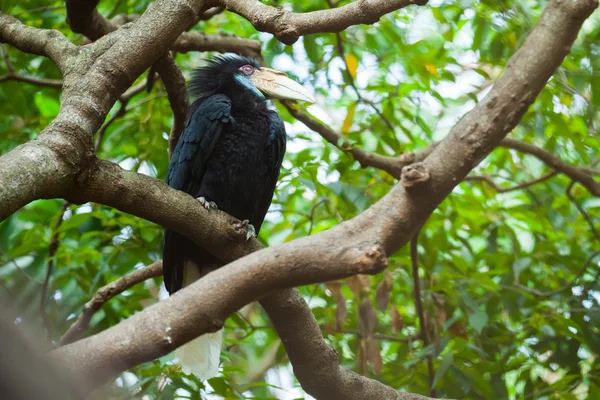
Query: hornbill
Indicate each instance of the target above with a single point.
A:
(228, 157)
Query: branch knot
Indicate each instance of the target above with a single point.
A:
(414, 175)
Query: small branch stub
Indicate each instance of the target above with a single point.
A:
(373, 260)
(414, 175)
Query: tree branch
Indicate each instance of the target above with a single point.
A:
(501, 189)
(11, 75)
(423, 332)
(383, 337)
(581, 175)
(52, 83)
(518, 286)
(85, 19)
(289, 26)
(52, 249)
(393, 165)
(42, 42)
(104, 294)
(221, 42)
(174, 82)
(583, 212)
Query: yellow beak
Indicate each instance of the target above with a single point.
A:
(277, 85)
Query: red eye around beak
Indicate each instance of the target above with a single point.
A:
(247, 69)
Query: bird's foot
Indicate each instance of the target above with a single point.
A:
(245, 225)
(209, 205)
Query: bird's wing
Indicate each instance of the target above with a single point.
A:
(202, 131)
(204, 126)
(276, 151)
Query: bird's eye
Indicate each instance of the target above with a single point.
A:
(247, 69)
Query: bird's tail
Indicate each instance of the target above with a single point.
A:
(200, 356)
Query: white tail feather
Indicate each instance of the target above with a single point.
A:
(200, 356)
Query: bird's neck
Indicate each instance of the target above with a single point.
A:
(247, 101)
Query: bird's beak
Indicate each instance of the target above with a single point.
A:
(277, 85)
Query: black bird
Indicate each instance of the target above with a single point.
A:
(228, 157)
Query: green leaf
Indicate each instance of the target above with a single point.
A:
(443, 368)
(478, 320)
(48, 106)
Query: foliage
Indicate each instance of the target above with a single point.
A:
(487, 259)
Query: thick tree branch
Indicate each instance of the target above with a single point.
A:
(42, 42)
(30, 172)
(356, 246)
(85, 19)
(104, 294)
(289, 26)
(221, 42)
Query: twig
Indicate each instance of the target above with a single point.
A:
(586, 216)
(123, 109)
(581, 175)
(51, 83)
(342, 53)
(17, 266)
(52, 249)
(391, 165)
(104, 294)
(394, 165)
(522, 288)
(11, 75)
(419, 305)
(377, 336)
(501, 189)
(311, 216)
(6, 57)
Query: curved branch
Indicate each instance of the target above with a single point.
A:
(423, 332)
(104, 294)
(174, 82)
(36, 162)
(522, 288)
(52, 249)
(51, 83)
(393, 165)
(42, 42)
(221, 42)
(289, 26)
(582, 210)
(84, 18)
(519, 186)
(581, 175)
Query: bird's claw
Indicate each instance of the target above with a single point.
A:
(247, 226)
(209, 205)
